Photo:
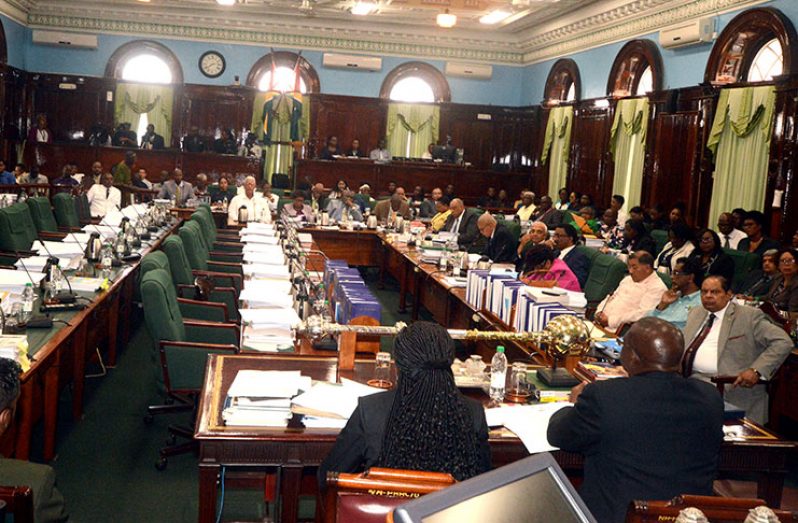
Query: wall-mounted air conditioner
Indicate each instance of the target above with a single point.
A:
(346, 61)
(63, 39)
(476, 71)
(689, 33)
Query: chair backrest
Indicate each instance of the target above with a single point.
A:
(283, 201)
(660, 238)
(207, 226)
(280, 181)
(83, 208)
(196, 250)
(717, 509)
(605, 274)
(154, 260)
(370, 496)
(161, 312)
(17, 231)
(66, 214)
(666, 278)
(744, 262)
(589, 252)
(19, 502)
(514, 227)
(178, 261)
(42, 214)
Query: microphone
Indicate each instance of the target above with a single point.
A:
(61, 297)
(146, 235)
(19, 258)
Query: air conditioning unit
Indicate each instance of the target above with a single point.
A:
(64, 39)
(476, 71)
(347, 61)
(689, 33)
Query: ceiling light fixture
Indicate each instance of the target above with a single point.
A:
(446, 19)
(226, 2)
(363, 8)
(494, 17)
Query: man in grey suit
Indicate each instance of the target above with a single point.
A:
(177, 189)
(726, 339)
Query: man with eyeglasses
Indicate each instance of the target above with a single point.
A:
(636, 295)
(677, 302)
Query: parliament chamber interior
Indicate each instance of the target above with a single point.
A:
(398, 260)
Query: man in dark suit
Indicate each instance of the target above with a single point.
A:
(501, 247)
(151, 139)
(651, 436)
(546, 213)
(463, 222)
(565, 238)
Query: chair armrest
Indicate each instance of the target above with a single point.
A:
(183, 363)
(226, 267)
(65, 229)
(226, 257)
(203, 310)
(227, 247)
(212, 332)
(17, 254)
(223, 279)
(721, 382)
(57, 236)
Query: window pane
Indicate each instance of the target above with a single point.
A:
(646, 83)
(571, 93)
(283, 80)
(412, 89)
(147, 68)
(144, 121)
(768, 62)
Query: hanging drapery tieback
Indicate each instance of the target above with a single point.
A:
(136, 108)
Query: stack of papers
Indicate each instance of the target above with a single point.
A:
(257, 299)
(331, 401)
(261, 270)
(266, 286)
(37, 263)
(14, 281)
(268, 339)
(57, 248)
(528, 422)
(258, 318)
(262, 398)
(273, 256)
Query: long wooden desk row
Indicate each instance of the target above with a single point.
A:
(294, 451)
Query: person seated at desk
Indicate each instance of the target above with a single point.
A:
(636, 238)
(417, 198)
(340, 188)
(177, 189)
(565, 239)
(355, 151)
(462, 222)
(330, 150)
(538, 233)
(344, 209)
(96, 172)
(427, 208)
(222, 190)
(137, 180)
(758, 282)
(611, 231)
(541, 264)
(124, 136)
(677, 302)
(546, 213)
(616, 203)
(272, 198)
(193, 142)
(19, 171)
(729, 236)
(386, 208)
(318, 202)
(66, 178)
(152, 140)
(501, 247)
(502, 200)
(6, 177)
(425, 423)
(651, 436)
(489, 199)
(257, 207)
(298, 209)
(637, 295)
(680, 244)
(48, 503)
(104, 197)
(677, 214)
(226, 143)
(201, 186)
(438, 222)
(250, 147)
(381, 153)
(586, 221)
(755, 241)
(449, 194)
(527, 207)
(122, 171)
(363, 198)
(655, 218)
(637, 214)
(734, 340)
(39, 133)
(33, 177)
(427, 155)
(784, 290)
(713, 260)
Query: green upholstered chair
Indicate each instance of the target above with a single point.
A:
(210, 234)
(283, 201)
(83, 208)
(199, 257)
(17, 232)
(227, 235)
(605, 274)
(589, 252)
(43, 218)
(744, 262)
(183, 349)
(514, 227)
(66, 213)
(224, 290)
(666, 278)
(660, 238)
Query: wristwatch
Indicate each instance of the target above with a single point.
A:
(758, 374)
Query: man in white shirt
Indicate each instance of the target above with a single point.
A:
(272, 198)
(104, 197)
(381, 153)
(636, 296)
(616, 203)
(257, 207)
(729, 236)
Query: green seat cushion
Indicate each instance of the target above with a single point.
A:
(17, 231)
(660, 238)
(744, 262)
(42, 214)
(605, 274)
(66, 213)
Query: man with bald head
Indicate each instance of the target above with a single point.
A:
(427, 209)
(546, 213)
(652, 436)
(501, 244)
(538, 233)
(257, 207)
(729, 236)
(396, 205)
(318, 201)
(462, 222)
(177, 189)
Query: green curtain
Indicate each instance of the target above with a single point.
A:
(419, 124)
(278, 158)
(628, 147)
(557, 143)
(133, 100)
(740, 141)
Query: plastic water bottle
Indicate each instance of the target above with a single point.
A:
(225, 203)
(498, 375)
(28, 297)
(106, 260)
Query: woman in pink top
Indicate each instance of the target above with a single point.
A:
(540, 264)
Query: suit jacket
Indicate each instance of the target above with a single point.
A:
(502, 247)
(579, 265)
(169, 190)
(651, 436)
(359, 444)
(765, 245)
(48, 503)
(468, 233)
(748, 339)
(156, 140)
(383, 209)
(552, 218)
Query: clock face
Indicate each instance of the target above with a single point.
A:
(212, 64)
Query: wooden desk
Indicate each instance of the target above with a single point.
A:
(295, 448)
(359, 248)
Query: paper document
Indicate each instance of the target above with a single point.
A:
(332, 400)
(57, 248)
(15, 281)
(528, 422)
(258, 247)
(257, 226)
(37, 263)
(268, 384)
(270, 317)
(259, 300)
(267, 286)
(266, 271)
(260, 239)
(273, 256)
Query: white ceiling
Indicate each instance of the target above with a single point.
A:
(538, 29)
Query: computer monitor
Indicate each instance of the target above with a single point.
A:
(533, 490)
(443, 152)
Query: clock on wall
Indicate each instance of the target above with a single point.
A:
(212, 64)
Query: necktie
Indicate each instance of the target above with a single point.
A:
(726, 241)
(455, 224)
(107, 192)
(177, 195)
(692, 349)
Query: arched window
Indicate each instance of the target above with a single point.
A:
(416, 82)
(563, 83)
(754, 47)
(283, 63)
(144, 61)
(637, 70)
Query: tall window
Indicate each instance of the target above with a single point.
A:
(646, 83)
(562, 84)
(636, 71)
(283, 63)
(284, 81)
(146, 68)
(412, 89)
(413, 82)
(767, 63)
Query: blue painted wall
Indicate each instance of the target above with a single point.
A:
(18, 39)
(683, 67)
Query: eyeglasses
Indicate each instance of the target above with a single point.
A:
(680, 273)
(787, 261)
(708, 239)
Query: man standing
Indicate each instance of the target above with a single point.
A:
(381, 153)
(257, 207)
(727, 339)
(636, 296)
(462, 222)
(501, 243)
(151, 140)
(123, 169)
(104, 198)
(427, 208)
(729, 236)
(652, 436)
(177, 189)
(677, 302)
(565, 239)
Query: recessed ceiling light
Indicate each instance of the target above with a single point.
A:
(494, 17)
(225, 2)
(145, 1)
(363, 8)
(446, 19)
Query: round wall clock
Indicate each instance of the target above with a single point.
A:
(212, 64)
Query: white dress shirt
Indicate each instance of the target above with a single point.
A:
(632, 300)
(706, 358)
(103, 200)
(564, 252)
(257, 209)
(734, 238)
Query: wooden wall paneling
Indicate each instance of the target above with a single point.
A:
(473, 135)
(73, 104)
(783, 159)
(348, 118)
(153, 161)
(12, 111)
(211, 108)
(674, 163)
(591, 162)
(214, 165)
(51, 158)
